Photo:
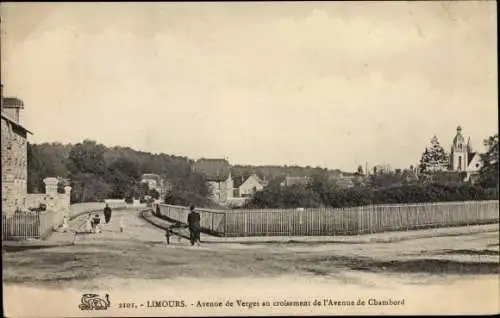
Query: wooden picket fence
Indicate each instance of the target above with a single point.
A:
(345, 221)
(38, 225)
(33, 225)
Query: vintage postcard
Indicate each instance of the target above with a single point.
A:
(249, 158)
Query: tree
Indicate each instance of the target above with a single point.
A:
(88, 187)
(385, 179)
(359, 171)
(321, 184)
(122, 175)
(154, 194)
(488, 174)
(46, 160)
(87, 157)
(98, 172)
(434, 158)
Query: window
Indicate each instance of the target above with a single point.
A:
(460, 163)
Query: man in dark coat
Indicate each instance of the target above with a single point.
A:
(194, 226)
(107, 213)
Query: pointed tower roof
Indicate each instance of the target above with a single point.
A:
(469, 145)
(459, 138)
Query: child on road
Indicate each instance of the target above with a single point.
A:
(97, 221)
(88, 224)
(122, 226)
(65, 224)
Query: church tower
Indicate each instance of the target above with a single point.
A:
(459, 152)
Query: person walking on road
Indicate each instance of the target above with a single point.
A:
(194, 226)
(107, 213)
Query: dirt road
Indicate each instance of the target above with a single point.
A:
(140, 259)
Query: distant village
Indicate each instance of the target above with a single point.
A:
(226, 188)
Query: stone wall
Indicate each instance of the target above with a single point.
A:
(116, 203)
(33, 200)
(14, 167)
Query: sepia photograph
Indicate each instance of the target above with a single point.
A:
(195, 159)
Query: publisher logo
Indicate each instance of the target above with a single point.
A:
(94, 302)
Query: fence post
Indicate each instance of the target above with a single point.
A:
(212, 222)
(245, 224)
(224, 224)
(360, 219)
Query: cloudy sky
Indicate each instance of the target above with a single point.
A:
(322, 84)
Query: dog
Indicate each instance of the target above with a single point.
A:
(169, 233)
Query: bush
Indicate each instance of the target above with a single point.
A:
(186, 198)
(295, 196)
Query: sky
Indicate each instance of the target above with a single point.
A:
(330, 84)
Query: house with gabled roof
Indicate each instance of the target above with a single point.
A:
(217, 173)
(153, 180)
(252, 184)
(156, 182)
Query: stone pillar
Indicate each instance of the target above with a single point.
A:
(51, 192)
(51, 186)
(67, 200)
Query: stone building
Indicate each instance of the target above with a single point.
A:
(14, 155)
(156, 182)
(218, 176)
(463, 158)
(249, 186)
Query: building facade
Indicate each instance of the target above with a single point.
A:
(463, 158)
(14, 156)
(155, 182)
(251, 185)
(294, 180)
(219, 179)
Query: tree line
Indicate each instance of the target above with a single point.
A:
(429, 183)
(305, 196)
(97, 172)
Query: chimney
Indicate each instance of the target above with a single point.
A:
(11, 107)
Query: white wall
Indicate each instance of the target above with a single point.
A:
(247, 187)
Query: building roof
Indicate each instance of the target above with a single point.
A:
(151, 176)
(335, 174)
(15, 123)
(239, 181)
(12, 102)
(297, 180)
(214, 169)
(344, 183)
(459, 139)
(471, 156)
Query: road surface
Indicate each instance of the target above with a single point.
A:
(139, 258)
